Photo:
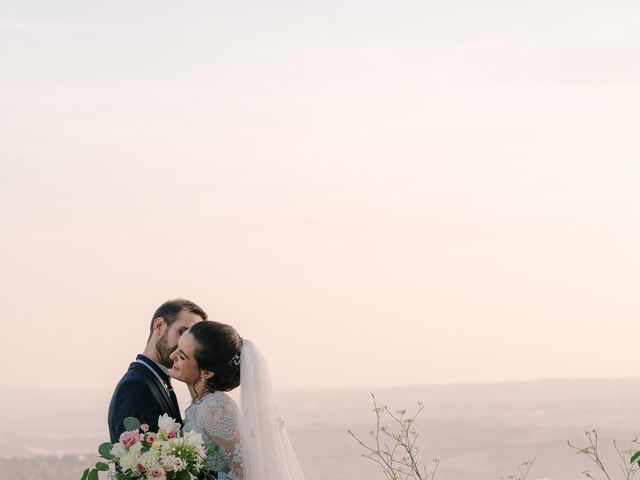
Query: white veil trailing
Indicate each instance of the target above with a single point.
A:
(266, 448)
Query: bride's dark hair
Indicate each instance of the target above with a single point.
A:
(218, 350)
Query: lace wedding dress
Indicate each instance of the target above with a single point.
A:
(216, 418)
(253, 443)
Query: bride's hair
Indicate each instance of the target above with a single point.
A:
(218, 350)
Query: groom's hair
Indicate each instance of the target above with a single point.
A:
(170, 309)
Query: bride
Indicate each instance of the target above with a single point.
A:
(252, 443)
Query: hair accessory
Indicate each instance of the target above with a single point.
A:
(235, 360)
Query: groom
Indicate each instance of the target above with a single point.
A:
(145, 391)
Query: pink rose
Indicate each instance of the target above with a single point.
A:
(141, 468)
(173, 434)
(144, 427)
(157, 473)
(151, 437)
(129, 439)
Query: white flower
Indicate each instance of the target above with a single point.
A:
(136, 449)
(169, 463)
(167, 424)
(201, 451)
(180, 464)
(170, 446)
(165, 449)
(118, 450)
(128, 461)
(150, 460)
(193, 438)
(175, 442)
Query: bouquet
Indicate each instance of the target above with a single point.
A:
(144, 455)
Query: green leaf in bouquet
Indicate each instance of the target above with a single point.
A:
(183, 475)
(85, 474)
(105, 450)
(131, 423)
(635, 457)
(93, 475)
(146, 446)
(208, 475)
(102, 467)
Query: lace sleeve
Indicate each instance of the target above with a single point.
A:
(220, 422)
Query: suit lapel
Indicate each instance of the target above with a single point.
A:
(158, 389)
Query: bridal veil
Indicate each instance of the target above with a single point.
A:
(266, 448)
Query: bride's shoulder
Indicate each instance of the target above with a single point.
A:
(218, 401)
(218, 415)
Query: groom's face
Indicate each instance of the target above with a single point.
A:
(168, 341)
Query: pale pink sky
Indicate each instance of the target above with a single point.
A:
(410, 192)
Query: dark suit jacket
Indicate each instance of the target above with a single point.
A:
(142, 395)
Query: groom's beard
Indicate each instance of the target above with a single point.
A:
(164, 350)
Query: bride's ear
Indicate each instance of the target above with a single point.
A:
(206, 374)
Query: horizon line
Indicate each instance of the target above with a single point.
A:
(366, 387)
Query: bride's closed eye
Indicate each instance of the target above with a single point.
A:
(182, 355)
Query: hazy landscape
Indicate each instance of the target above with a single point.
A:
(478, 431)
(376, 193)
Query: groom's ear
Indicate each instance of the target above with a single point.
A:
(158, 325)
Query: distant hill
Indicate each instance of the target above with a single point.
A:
(479, 431)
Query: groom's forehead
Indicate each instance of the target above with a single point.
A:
(186, 318)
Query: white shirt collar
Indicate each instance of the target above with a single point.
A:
(161, 367)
